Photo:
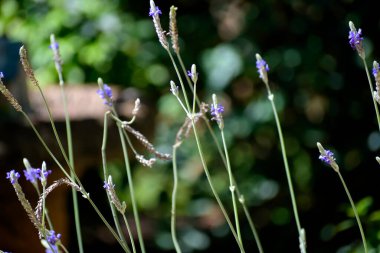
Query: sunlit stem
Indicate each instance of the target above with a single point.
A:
(131, 187)
(105, 174)
(85, 194)
(355, 212)
(71, 160)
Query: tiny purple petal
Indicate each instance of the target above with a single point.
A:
(54, 46)
(261, 65)
(154, 12)
(189, 73)
(52, 249)
(108, 186)
(355, 38)
(32, 175)
(52, 238)
(105, 94)
(216, 111)
(328, 158)
(13, 176)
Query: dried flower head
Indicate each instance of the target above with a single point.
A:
(137, 107)
(356, 40)
(8, 95)
(26, 65)
(110, 188)
(173, 28)
(327, 157)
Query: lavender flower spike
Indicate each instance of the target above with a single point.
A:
(327, 157)
(217, 112)
(105, 92)
(356, 39)
(262, 68)
(13, 176)
(155, 12)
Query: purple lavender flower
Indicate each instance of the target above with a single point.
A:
(375, 69)
(328, 158)
(106, 94)
(108, 186)
(54, 46)
(52, 238)
(261, 65)
(215, 111)
(1, 75)
(154, 11)
(32, 175)
(355, 38)
(13, 176)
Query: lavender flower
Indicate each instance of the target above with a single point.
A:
(327, 157)
(174, 88)
(154, 11)
(54, 46)
(52, 238)
(262, 68)
(32, 175)
(13, 176)
(356, 40)
(375, 69)
(217, 112)
(108, 186)
(105, 93)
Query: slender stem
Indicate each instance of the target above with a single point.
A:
(250, 222)
(129, 233)
(80, 184)
(285, 159)
(216, 195)
(105, 173)
(355, 212)
(71, 160)
(131, 189)
(371, 88)
(174, 198)
(232, 187)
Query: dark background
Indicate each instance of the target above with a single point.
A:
(321, 92)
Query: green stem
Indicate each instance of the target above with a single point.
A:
(216, 195)
(129, 233)
(71, 160)
(131, 188)
(174, 198)
(371, 88)
(285, 159)
(232, 187)
(355, 212)
(80, 184)
(105, 173)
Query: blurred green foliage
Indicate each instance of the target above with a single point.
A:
(319, 88)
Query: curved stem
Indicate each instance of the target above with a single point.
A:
(355, 212)
(129, 233)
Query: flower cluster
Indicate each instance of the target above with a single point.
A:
(154, 11)
(13, 176)
(52, 239)
(356, 40)
(327, 157)
(262, 68)
(105, 93)
(108, 186)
